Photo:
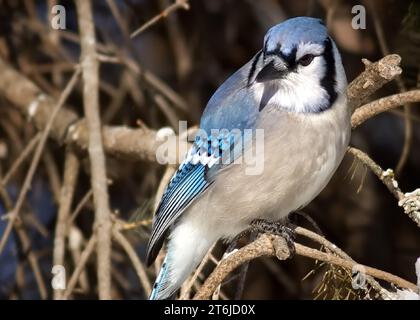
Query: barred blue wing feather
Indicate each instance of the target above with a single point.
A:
(192, 178)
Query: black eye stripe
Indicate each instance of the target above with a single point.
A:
(253, 66)
(291, 57)
(265, 47)
(288, 58)
(328, 82)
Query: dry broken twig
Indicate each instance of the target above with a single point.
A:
(375, 76)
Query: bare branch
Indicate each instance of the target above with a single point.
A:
(269, 245)
(387, 178)
(90, 72)
(374, 108)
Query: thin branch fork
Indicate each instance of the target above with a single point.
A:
(22, 157)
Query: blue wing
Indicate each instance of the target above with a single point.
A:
(192, 178)
(231, 107)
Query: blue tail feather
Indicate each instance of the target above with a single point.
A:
(161, 279)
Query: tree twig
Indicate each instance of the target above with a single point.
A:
(22, 157)
(137, 264)
(90, 247)
(376, 107)
(79, 207)
(75, 243)
(71, 171)
(330, 247)
(178, 4)
(185, 295)
(53, 174)
(68, 128)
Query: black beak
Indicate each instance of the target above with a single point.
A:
(270, 72)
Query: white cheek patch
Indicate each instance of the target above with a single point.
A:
(300, 91)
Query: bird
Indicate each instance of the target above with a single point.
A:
(292, 91)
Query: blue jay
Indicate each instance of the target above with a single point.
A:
(294, 89)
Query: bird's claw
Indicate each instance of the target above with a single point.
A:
(287, 232)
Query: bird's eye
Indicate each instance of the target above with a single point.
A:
(306, 60)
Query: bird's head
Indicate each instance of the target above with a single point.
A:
(299, 68)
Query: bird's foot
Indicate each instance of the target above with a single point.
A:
(287, 232)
